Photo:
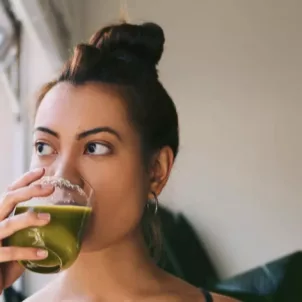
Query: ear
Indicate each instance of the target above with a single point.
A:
(160, 170)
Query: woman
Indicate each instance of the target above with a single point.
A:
(107, 118)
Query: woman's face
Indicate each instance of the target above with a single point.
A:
(84, 131)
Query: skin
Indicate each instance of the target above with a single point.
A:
(114, 264)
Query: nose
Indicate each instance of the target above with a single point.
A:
(66, 168)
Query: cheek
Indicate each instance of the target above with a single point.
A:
(120, 195)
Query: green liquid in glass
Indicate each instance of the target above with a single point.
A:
(61, 237)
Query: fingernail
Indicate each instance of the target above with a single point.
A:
(44, 216)
(42, 253)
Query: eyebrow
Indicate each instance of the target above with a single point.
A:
(47, 130)
(82, 134)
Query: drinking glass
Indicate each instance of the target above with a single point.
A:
(70, 208)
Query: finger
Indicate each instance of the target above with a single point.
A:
(11, 272)
(12, 198)
(11, 225)
(15, 253)
(27, 179)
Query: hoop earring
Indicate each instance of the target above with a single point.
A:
(154, 203)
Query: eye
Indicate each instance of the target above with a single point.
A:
(96, 149)
(43, 149)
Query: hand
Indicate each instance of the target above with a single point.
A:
(20, 191)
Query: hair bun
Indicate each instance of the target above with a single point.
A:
(145, 41)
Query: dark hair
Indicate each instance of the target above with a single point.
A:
(125, 57)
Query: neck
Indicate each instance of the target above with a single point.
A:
(122, 269)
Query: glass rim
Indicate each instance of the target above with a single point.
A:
(61, 183)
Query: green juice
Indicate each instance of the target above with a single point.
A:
(61, 237)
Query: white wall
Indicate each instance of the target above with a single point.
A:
(6, 139)
(234, 69)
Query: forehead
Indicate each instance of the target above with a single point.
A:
(82, 106)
